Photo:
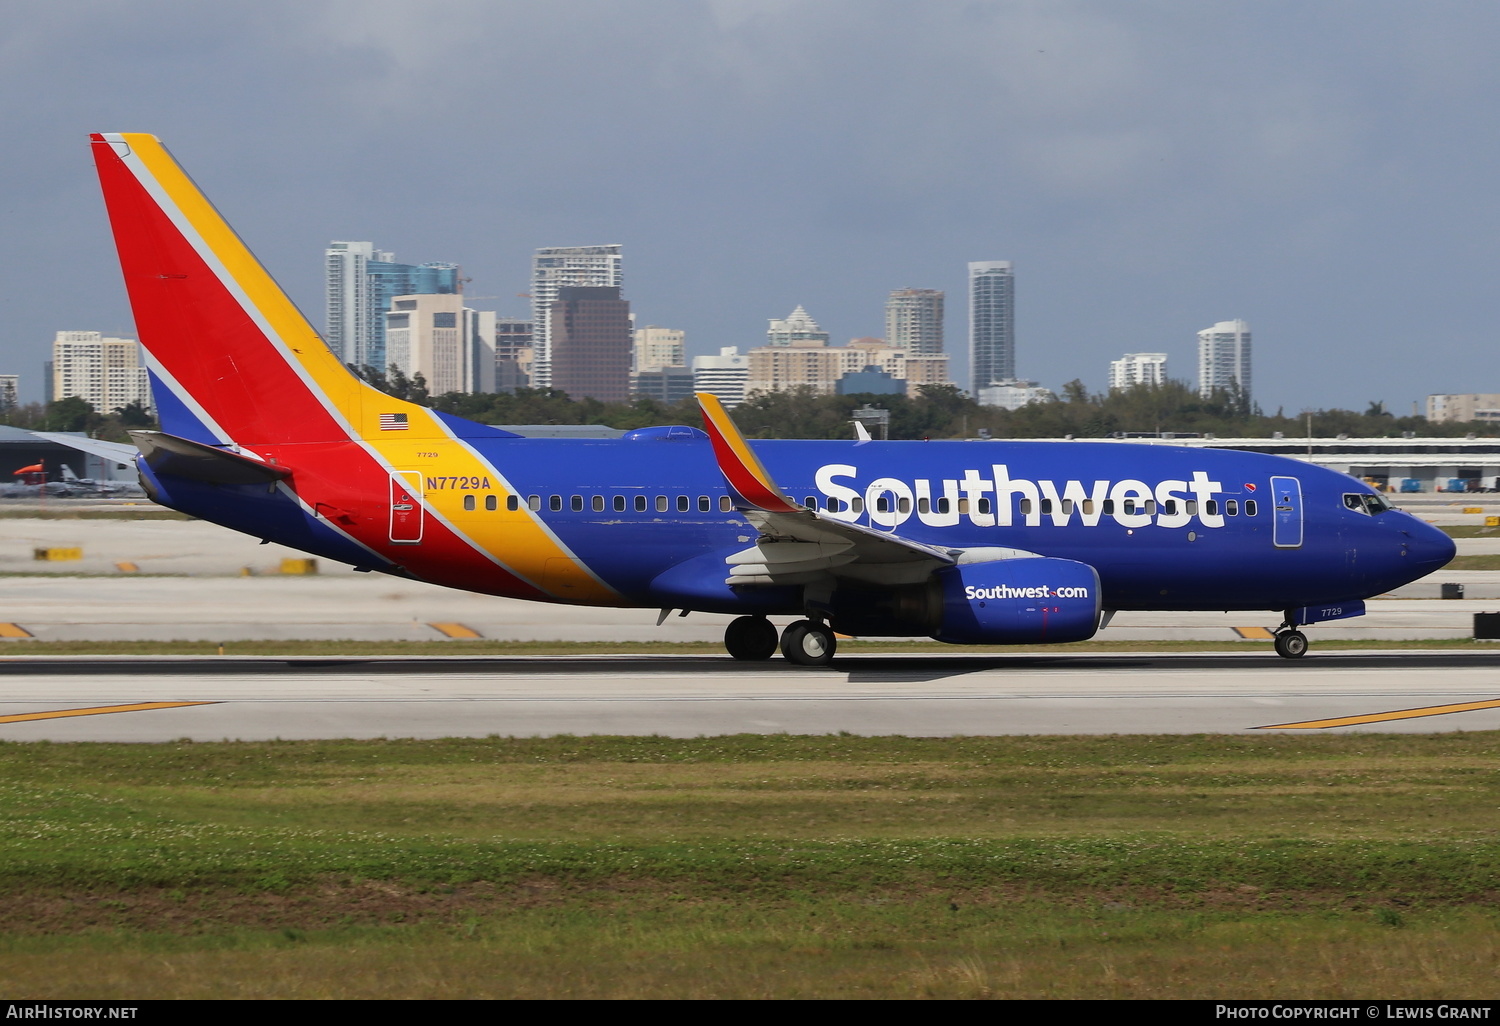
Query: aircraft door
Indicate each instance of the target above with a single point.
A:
(406, 507)
(1286, 500)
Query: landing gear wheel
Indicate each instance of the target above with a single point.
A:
(1291, 644)
(751, 638)
(808, 644)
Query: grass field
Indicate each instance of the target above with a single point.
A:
(754, 866)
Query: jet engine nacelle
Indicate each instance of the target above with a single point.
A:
(1018, 602)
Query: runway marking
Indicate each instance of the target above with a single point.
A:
(14, 630)
(455, 630)
(97, 710)
(125, 566)
(1398, 714)
(1255, 633)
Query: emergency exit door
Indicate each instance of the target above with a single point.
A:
(1286, 502)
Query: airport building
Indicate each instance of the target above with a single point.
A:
(1138, 369)
(914, 321)
(558, 267)
(992, 324)
(1224, 358)
(107, 373)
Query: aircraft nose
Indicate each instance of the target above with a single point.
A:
(1428, 548)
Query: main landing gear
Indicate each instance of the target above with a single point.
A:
(1291, 644)
(805, 642)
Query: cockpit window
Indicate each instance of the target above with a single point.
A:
(1365, 503)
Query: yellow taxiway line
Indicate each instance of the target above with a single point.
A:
(14, 630)
(1381, 717)
(97, 710)
(455, 630)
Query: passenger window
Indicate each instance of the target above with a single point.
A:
(682, 504)
(577, 503)
(1025, 506)
(811, 502)
(1067, 506)
(924, 505)
(1109, 507)
(1211, 507)
(835, 506)
(943, 504)
(984, 505)
(619, 504)
(903, 505)
(726, 505)
(491, 503)
(1129, 507)
(512, 502)
(1151, 507)
(1249, 507)
(640, 504)
(1192, 507)
(554, 503)
(857, 504)
(469, 503)
(883, 504)
(704, 505)
(661, 504)
(534, 501)
(1046, 506)
(1088, 507)
(598, 504)
(1169, 507)
(963, 505)
(1231, 507)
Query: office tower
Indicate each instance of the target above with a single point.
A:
(9, 386)
(436, 336)
(725, 375)
(360, 282)
(104, 372)
(558, 267)
(798, 329)
(656, 348)
(512, 354)
(992, 323)
(914, 321)
(1462, 408)
(590, 343)
(1224, 358)
(1138, 369)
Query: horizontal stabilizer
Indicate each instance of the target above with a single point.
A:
(115, 452)
(181, 457)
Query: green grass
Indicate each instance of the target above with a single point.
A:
(754, 866)
(146, 511)
(1489, 561)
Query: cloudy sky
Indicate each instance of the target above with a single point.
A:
(1325, 170)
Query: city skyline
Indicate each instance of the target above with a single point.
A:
(1142, 192)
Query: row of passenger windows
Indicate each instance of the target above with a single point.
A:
(705, 504)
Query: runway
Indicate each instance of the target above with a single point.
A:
(688, 696)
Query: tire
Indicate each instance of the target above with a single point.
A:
(750, 638)
(808, 644)
(1291, 644)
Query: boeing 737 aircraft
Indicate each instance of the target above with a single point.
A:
(264, 431)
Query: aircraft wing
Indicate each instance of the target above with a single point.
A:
(115, 452)
(797, 544)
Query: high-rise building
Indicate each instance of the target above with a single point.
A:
(992, 323)
(656, 348)
(798, 329)
(1138, 369)
(1224, 357)
(725, 375)
(104, 372)
(436, 336)
(512, 354)
(558, 267)
(914, 321)
(590, 343)
(359, 283)
(9, 387)
(1472, 406)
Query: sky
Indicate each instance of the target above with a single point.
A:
(1324, 170)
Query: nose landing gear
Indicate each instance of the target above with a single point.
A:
(1291, 644)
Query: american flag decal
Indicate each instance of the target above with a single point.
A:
(393, 422)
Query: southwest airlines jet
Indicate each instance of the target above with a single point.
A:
(264, 431)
